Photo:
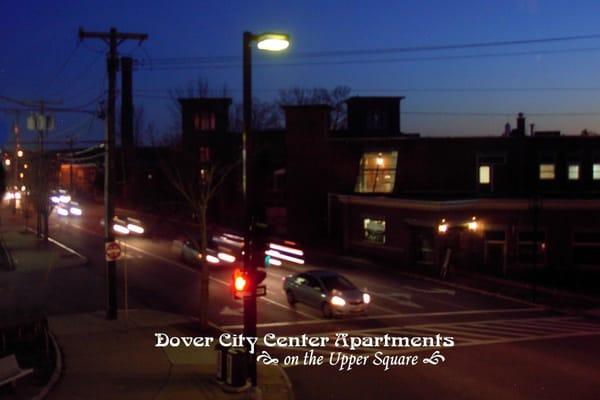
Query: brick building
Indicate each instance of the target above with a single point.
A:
(497, 202)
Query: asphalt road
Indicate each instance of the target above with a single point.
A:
(503, 348)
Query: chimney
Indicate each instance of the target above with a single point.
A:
(520, 125)
(531, 129)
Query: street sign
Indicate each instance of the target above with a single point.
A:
(261, 290)
(112, 251)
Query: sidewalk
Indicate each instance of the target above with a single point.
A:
(101, 359)
(117, 360)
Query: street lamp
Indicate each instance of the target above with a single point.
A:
(20, 153)
(269, 42)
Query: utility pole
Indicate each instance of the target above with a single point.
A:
(16, 167)
(41, 123)
(71, 166)
(113, 39)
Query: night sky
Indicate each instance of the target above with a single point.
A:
(41, 57)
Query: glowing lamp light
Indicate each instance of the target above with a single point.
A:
(23, 188)
(17, 195)
(55, 199)
(473, 225)
(135, 228)
(338, 301)
(25, 166)
(120, 229)
(280, 256)
(286, 249)
(366, 298)
(443, 227)
(379, 161)
(274, 261)
(20, 153)
(7, 162)
(64, 198)
(212, 259)
(75, 211)
(21, 175)
(273, 41)
(226, 257)
(61, 211)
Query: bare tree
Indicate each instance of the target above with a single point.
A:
(197, 186)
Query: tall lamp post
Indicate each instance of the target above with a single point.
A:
(269, 42)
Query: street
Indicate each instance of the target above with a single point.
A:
(503, 348)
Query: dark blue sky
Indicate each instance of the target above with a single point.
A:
(38, 37)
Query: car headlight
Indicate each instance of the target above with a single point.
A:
(338, 301)
(366, 298)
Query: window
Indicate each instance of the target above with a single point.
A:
(376, 120)
(377, 172)
(546, 171)
(586, 248)
(374, 230)
(204, 154)
(485, 174)
(573, 172)
(204, 121)
(596, 171)
(525, 247)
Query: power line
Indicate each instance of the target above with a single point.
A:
(408, 49)
(166, 67)
(63, 66)
(156, 92)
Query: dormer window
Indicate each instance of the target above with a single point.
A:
(375, 120)
(377, 172)
(204, 121)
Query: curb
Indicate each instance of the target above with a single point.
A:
(288, 382)
(58, 366)
(11, 262)
(286, 378)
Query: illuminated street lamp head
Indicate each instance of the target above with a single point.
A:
(443, 227)
(7, 162)
(379, 161)
(273, 41)
(473, 225)
(20, 153)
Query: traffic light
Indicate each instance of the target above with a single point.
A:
(240, 283)
(243, 282)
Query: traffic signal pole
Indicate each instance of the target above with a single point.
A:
(113, 39)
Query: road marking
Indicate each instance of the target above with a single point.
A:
(212, 278)
(62, 246)
(431, 291)
(236, 312)
(391, 316)
(461, 338)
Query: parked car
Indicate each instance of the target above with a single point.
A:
(329, 291)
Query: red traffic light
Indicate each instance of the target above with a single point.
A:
(240, 281)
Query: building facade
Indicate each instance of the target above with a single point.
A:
(499, 205)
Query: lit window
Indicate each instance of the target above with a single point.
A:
(204, 121)
(377, 172)
(546, 171)
(485, 174)
(596, 171)
(374, 230)
(573, 172)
